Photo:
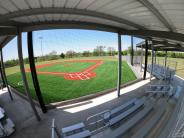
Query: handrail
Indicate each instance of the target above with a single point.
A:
(54, 130)
(98, 118)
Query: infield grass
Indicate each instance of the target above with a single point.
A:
(67, 67)
(57, 88)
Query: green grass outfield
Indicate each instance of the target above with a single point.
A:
(56, 88)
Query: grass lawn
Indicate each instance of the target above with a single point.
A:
(57, 88)
(67, 67)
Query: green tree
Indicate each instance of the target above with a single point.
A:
(62, 55)
(124, 52)
(86, 54)
(173, 55)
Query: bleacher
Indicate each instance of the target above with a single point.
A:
(7, 127)
(161, 72)
(119, 120)
(160, 89)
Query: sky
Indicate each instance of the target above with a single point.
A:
(62, 40)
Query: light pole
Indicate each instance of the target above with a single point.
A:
(41, 38)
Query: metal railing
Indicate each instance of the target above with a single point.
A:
(98, 122)
(55, 130)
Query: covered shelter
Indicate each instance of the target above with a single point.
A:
(159, 22)
(157, 45)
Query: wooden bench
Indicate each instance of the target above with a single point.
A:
(141, 133)
(124, 114)
(75, 131)
(130, 123)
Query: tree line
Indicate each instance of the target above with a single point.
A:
(53, 55)
(98, 51)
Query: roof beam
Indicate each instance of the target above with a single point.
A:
(167, 44)
(8, 31)
(162, 45)
(171, 49)
(102, 27)
(158, 44)
(154, 33)
(69, 25)
(164, 48)
(92, 26)
(10, 24)
(151, 7)
(6, 40)
(37, 11)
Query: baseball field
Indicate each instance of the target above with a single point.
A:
(66, 79)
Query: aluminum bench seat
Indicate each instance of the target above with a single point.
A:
(161, 72)
(7, 126)
(10, 122)
(2, 110)
(178, 92)
(130, 123)
(102, 120)
(172, 91)
(123, 107)
(75, 131)
(82, 134)
(123, 115)
(73, 127)
(2, 134)
(163, 89)
(120, 109)
(141, 133)
(1, 115)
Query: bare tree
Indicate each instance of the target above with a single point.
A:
(52, 53)
(71, 53)
(111, 51)
(99, 51)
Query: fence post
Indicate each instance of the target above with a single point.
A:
(22, 70)
(119, 64)
(146, 59)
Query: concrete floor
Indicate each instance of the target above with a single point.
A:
(28, 127)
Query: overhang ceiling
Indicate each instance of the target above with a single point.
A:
(155, 19)
(161, 46)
